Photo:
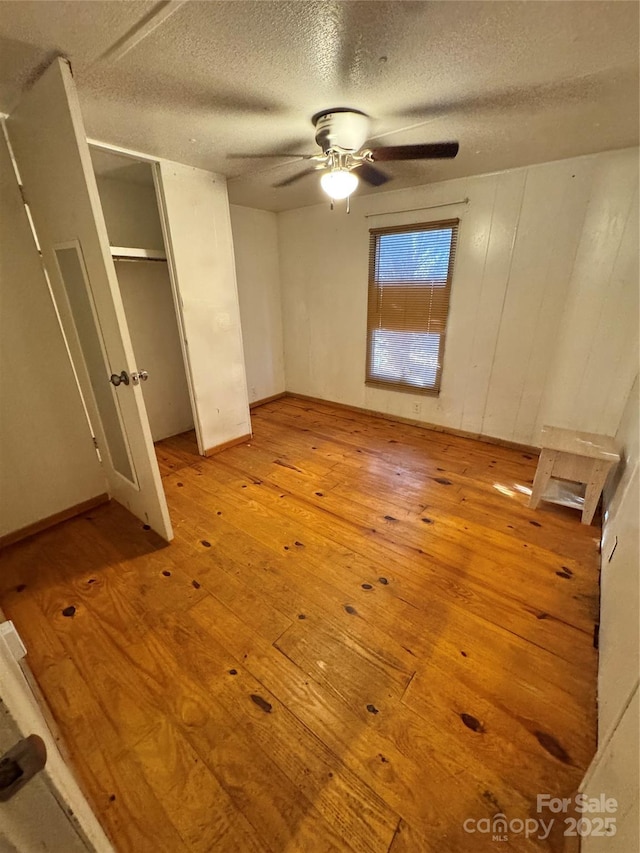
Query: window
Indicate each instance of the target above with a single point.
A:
(410, 270)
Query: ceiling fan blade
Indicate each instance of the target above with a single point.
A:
(295, 178)
(428, 151)
(371, 175)
(573, 90)
(270, 156)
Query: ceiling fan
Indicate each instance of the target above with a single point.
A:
(341, 134)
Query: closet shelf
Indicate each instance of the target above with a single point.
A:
(124, 253)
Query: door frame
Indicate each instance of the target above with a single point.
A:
(154, 162)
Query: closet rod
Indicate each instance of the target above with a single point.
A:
(129, 259)
(132, 252)
(416, 209)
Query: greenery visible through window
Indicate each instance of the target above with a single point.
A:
(410, 271)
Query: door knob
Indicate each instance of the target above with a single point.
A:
(122, 379)
(20, 764)
(139, 376)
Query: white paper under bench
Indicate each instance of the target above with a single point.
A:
(198, 230)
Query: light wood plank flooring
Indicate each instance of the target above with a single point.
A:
(360, 638)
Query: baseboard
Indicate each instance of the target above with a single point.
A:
(52, 520)
(267, 400)
(211, 451)
(489, 439)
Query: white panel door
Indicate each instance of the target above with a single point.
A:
(197, 227)
(49, 143)
(614, 773)
(49, 813)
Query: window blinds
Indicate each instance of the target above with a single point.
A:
(410, 270)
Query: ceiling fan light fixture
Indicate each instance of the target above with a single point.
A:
(339, 183)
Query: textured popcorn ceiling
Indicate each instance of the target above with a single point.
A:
(514, 82)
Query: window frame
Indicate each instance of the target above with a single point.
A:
(373, 307)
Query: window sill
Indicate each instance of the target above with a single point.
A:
(399, 386)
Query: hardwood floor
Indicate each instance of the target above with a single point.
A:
(359, 639)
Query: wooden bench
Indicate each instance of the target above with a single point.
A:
(580, 457)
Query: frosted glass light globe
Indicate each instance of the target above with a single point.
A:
(339, 183)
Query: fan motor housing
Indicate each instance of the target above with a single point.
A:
(341, 128)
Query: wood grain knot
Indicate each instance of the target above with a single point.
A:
(265, 706)
(472, 723)
(551, 745)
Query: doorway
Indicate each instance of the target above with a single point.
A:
(132, 216)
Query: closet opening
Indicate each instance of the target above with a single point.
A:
(134, 225)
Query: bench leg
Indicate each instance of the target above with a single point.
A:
(594, 490)
(543, 475)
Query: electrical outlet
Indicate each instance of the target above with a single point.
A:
(417, 408)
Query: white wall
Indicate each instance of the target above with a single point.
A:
(619, 664)
(614, 770)
(47, 461)
(597, 352)
(132, 219)
(628, 440)
(546, 269)
(255, 243)
(131, 212)
(151, 317)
